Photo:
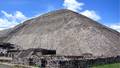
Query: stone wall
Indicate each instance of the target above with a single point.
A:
(66, 61)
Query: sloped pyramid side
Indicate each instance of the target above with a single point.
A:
(68, 33)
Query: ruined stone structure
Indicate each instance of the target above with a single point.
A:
(4, 49)
(67, 32)
(54, 61)
(61, 33)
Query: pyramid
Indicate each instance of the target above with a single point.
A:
(67, 32)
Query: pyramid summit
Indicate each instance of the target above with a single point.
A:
(67, 32)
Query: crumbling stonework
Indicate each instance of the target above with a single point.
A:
(67, 32)
(62, 39)
(53, 61)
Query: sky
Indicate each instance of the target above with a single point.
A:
(13, 12)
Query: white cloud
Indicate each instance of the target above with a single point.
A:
(10, 20)
(116, 27)
(73, 5)
(6, 14)
(76, 6)
(19, 15)
(91, 14)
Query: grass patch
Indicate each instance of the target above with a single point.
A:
(115, 65)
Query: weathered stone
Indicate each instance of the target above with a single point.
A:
(67, 32)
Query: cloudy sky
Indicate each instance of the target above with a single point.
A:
(13, 12)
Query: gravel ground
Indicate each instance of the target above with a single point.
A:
(4, 66)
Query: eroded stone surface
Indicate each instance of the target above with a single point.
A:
(68, 33)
